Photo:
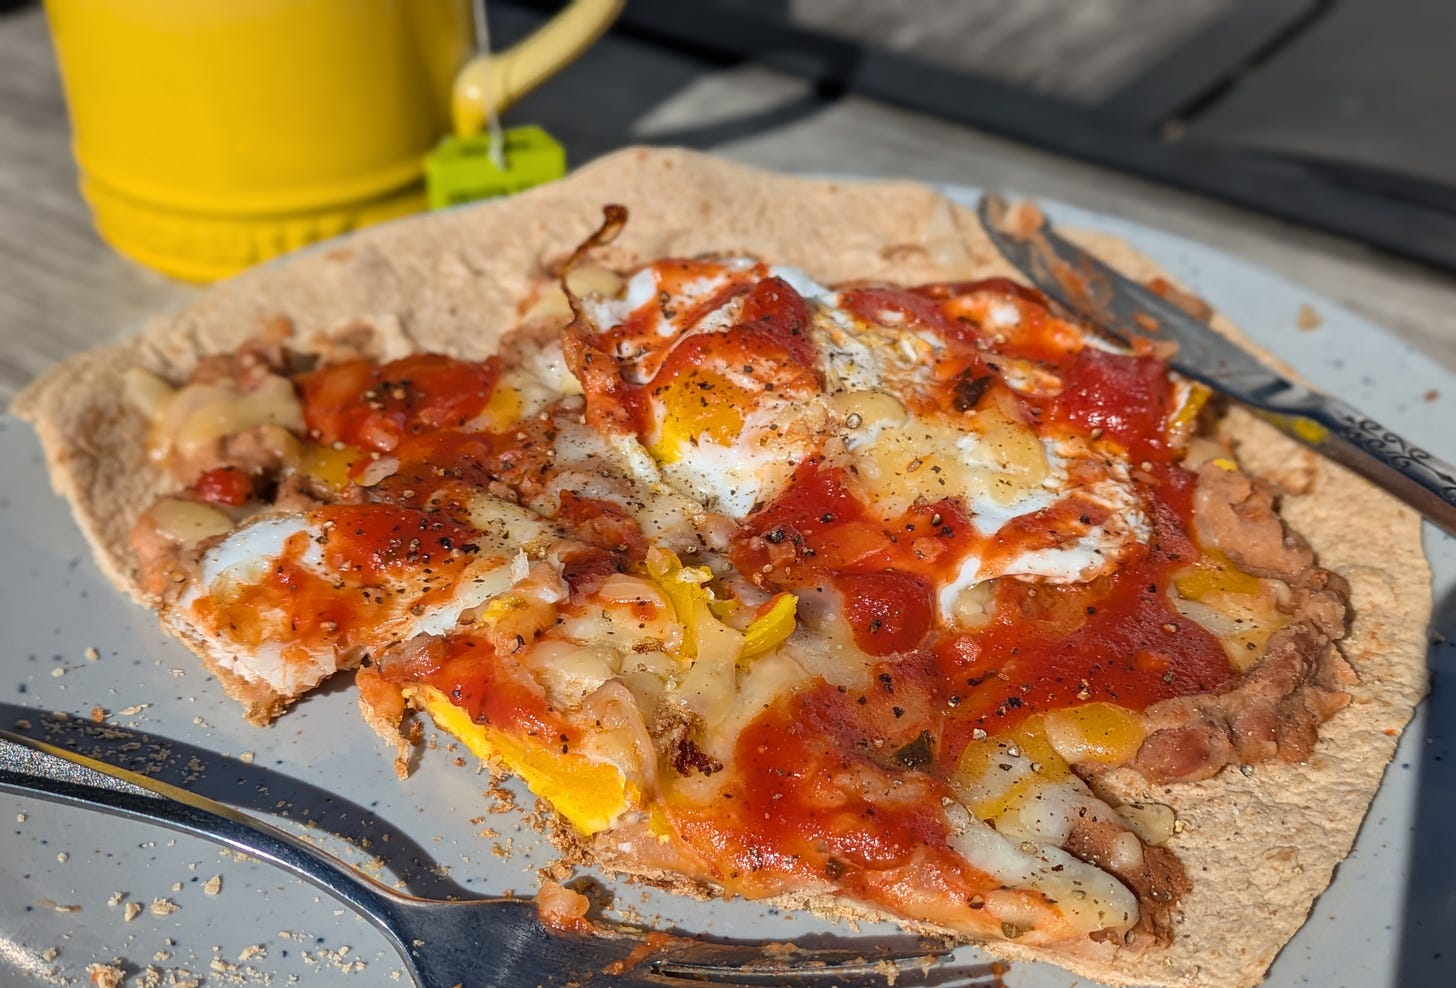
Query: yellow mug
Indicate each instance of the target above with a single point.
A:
(212, 135)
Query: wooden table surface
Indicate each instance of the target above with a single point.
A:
(61, 289)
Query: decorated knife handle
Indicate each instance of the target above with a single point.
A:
(1381, 455)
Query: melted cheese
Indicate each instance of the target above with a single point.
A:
(201, 414)
(1023, 801)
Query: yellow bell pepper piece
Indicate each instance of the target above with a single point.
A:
(1186, 418)
(685, 589)
(768, 632)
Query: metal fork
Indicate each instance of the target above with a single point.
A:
(465, 943)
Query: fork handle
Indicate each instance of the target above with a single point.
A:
(1381, 455)
(31, 768)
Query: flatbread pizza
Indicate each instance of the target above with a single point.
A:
(787, 547)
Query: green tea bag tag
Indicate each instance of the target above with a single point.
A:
(498, 162)
(460, 169)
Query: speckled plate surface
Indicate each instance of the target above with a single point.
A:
(78, 888)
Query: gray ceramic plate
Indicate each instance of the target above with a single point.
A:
(72, 644)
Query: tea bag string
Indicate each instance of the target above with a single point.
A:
(496, 148)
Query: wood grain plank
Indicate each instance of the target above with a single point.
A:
(62, 289)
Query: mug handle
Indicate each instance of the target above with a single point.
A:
(507, 76)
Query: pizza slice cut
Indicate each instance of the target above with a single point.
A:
(868, 594)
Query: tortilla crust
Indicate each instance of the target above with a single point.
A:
(454, 281)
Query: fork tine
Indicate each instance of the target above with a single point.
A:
(840, 967)
(841, 963)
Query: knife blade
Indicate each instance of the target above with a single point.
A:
(1128, 312)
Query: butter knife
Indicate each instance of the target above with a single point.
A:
(1127, 311)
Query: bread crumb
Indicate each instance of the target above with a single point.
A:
(176, 886)
(62, 856)
(105, 975)
(163, 907)
(134, 710)
(58, 671)
(256, 952)
(50, 954)
(212, 886)
(20, 817)
(98, 715)
(1307, 318)
(115, 899)
(246, 758)
(92, 653)
(132, 911)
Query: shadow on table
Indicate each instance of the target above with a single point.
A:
(1427, 928)
(599, 103)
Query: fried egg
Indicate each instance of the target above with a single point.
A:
(274, 605)
(728, 430)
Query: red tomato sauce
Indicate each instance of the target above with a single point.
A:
(317, 614)
(367, 550)
(818, 530)
(224, 485)
(373, 406)
(1128, 399)
(1125, 398)
(808, 799)
(456, 464)
(771, 335)
(373, 542)
(1044, 646)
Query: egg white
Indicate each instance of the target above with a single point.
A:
(245, 558)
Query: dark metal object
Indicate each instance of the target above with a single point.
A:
(470, 943)
(1134, 129)
(1128, 311)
